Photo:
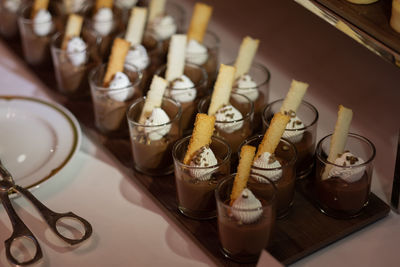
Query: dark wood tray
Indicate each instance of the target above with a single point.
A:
(302, 232)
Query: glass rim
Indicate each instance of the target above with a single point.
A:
(29, 20)
(268, 106)
(216, 44)
(260, 66)
(186, 166)
(230, 177)
(352, 135)
(58, 49)
(105, 89)
(143, 98)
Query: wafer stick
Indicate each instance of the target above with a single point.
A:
(156, 8)
(153, 98)
(339, 137)
(38, 5)
(176, 57)
(103, 4)
(243, 171)
(201, 136)
(117, 59)
(74, 26)
(137, 22)
(199, 22)
(246, 54)
(222, 88)
(273, 135)
(395, 17)
(294, 97)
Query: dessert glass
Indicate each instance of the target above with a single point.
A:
(198, 76)
(258, 94)
(196, 195)
(36, 48)
(9, 19)
(244, 242)
(308, 114)
(153, 157)
(337, 197)
(211, 42)
(245, 106)
(286, 154)
(72, 80)
(109, 106)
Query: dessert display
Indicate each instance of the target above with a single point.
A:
(187, 82)
(36, 25)
(302, 127)
(202, 47)
(154, 127)
(344, 169)
(395, 16)
(114, 87)
(275, 159)
(233, 112)
(9, 18)
(73, 59)
(252, 79)
(245, 217)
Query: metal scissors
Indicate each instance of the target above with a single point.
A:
(7, 185)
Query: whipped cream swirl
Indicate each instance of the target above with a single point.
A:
(245, 85)
(42, 23)
(12, 5)
(350, 172)
(76, 5)
(271, 166)
(163, 27)
(247, 208)
(294, 129)
(120, 81)
(205, 158)
(182, 90)
(137, 56)
(126, 4)
(228, 119)
(76, 51)
(158, 117)
(196, 53)
(103, 21)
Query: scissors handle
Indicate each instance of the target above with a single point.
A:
(19, 230)
(52, 218)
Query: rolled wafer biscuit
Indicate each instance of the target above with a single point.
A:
(339, 137)
(199, 22)
(246, 54)
(156, 8)
(38, 5)
(395, 16)
(176, 57)
(243, 171)
(74, 26)
(201, 136)
(153, 98)
(222, 88)
(103, 4)
(117, 58)
(273, 135)
(136, 24)
(294, 96)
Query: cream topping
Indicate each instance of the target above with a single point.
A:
(158, 117)
(205, 157)
(12, 5)
(294, 129)
(120, 81)
(196, 53)
(182, 90)
(76, 51)
(137, 56)
(103, 21)
(245, 85)
(226, 119)
(163, 27)
(350, 172)
(126, 4)
(247, 208)
(42, 23)
(270, 166)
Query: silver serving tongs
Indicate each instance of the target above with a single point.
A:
(7, 185)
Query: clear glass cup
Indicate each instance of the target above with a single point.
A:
(243, 241)
(224, 128)
(9, 18)
(188, 97)
(286, 154)
(36, 37)
(195, 185)
(259, 94)
(152, 145)
(209, 60)
(304, 139)
(343, 191)
(110, 105)
(72, 68)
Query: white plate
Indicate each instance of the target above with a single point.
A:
(37, 138)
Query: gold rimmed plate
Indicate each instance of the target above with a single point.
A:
(37, 138)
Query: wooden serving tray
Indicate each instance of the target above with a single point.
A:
(302, 232)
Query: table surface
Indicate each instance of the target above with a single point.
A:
(130, 228)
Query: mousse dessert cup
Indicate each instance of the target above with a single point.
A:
(9, 18)
(195, 185)
(152, 142)
(342, 185)
(246, 218)
(125, 6)
(282, 175)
